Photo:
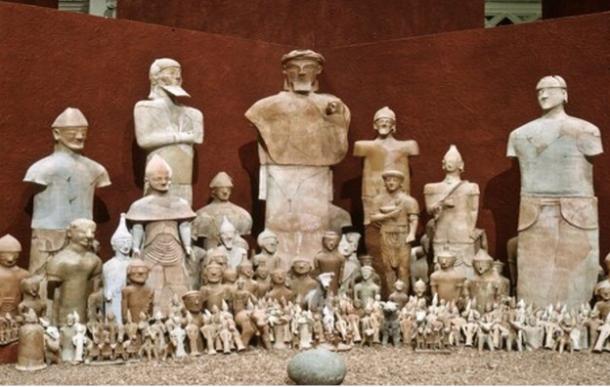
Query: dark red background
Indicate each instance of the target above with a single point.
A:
(469, 87)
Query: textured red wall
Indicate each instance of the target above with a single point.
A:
(561, 8)
(311, 23)
(40, 3)
(470, 88)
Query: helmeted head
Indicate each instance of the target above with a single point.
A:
(10, 248)
(221, 186)
(165, 75)
(137, 271)
(122, 240)
(552, 92)
(268, 241)
(384, 121)
(81, 232)
(192, 301)
(367, 272)
(227, 233)
(301, 69)
(452, 161)
(158, 174)
(366, 260)
(446, 259)
(482, 262)
(392, 179)
(301, 266)
(70, 129)
(330, 240)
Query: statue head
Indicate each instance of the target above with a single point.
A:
(602, 291)
(384, 122)
(70, 129)
(229, 275)
(221, 186)
(349, 243)
(10, 248)
(278, 277)
(121, 240)
(446, 259)
(452, 161)
(245, 269)
(192, 301)
(552, 92)
(419, 287)
(31, 285)
(165, 76)
(158, 174)
(301, 266)
(262, 272)
(399, 286)
(240, 283)
(213, 273)
(392, 179)
(137, 271)
(267, 241)
(482, 262)
(330, 240)
(301, 69)
(81, 233)
(227, 233)
(367, 272)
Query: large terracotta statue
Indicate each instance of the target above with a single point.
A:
(454, 205)
(67, 182)
(330, 260)
(166, 128)
(136, 297)
(162, 234)
(302, 133)
(11, 275)
(74, 273)
(397, 214)
(209, 218)
(558, 247)
(114, 271)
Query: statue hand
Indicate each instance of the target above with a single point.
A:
(189, 252)
(136, 253)
(333, 107)
(410, 238)
(449, 202)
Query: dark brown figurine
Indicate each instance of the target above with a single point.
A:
(10, 275)
(279, 290)
(137, 298)
(330, 260)
(301, 282)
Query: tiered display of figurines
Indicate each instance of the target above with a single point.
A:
(184, 284)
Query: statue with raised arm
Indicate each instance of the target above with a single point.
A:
(558, 245)
(301, 134)
(114, 271)
(166, 128)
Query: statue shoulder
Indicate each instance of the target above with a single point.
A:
(264, 103)
(146, 104)
(434, 188)
(362, 147)
(40, 172)
(410, 147)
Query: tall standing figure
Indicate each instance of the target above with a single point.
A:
(166, 128)
(558, 247)
(301, 134)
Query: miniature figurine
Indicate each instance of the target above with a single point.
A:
(167, 128)
(301, 135)
(246, 272)
(162, 234)
(329, 260)
(74, 273)
(131, 346)
(114, 271)
(348, 247)
(177, 336)
(397, 215)
(268, 257)
(31, 350)
(209, 331)
(79, 340)
(602, 292)
(399, 295)
(228, 237)
(485, 287)
(279, 289)
(96, 301)
(209, 218)
(367, 290)
(52, 346)
(391, 324)
(213, 293)
(263, 281)
(66, 335)
(30, 290)
(420, 288)
(604, 334)
(368, 326)
(11, 275)
(300, 281)
(558, 205)
(447, 283)
(278, 320)
(304, 323)
(137, 298)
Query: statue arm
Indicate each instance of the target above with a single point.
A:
(413, 223)
(148, 134)
(185, 234)
(137, 232)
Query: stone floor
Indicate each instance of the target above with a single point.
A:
(365, 366)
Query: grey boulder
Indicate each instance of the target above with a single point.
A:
(317, 367)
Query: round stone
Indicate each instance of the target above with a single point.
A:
(317, 367)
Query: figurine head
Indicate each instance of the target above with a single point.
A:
(399, 286)
(70, 129)
(31, 285)
(446, 259)
(137, 271)
(267, 240)
(552, 92)
(392, 179)
(330, 240)
(221, 186)
(245, 269)
(121, 240)
(301, 69)
(367, 272)
(192, 301)
(452, 161)
(229, 276)
(9, 250)
(349, 243)
(240, 283)
(602, 291)
(384, 122)
(366, 260)
(81, 233)
(227, 233)
(278, 277)
(482, 262)
(158, 174)
(300, 266)
(71, 319)
(217, 255)
(165, 76)
(419, 287)
(262, 272)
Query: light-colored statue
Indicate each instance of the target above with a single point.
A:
(67, 182)
(229, 242)
(67, 331)
(454, 205)
(486, 288)
(11, 275)
(348, 247)
(114, 271)
(367, 290)
(162, 234)
(168, 129)
(447, 283)
(31, 350)
(268, 243)
(558, 206)
(74, 273)
(397, 215)
(301, 134)
(209, 218)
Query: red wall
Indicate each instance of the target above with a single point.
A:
(470, 88)
(561, 8)
(311, 23)
(40, 3)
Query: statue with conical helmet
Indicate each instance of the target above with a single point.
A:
(114, 271)
(228, 239)
(11, 275)
(486, 287)
(454, 206)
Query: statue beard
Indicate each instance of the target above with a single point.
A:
(175, 90)
(303, 87)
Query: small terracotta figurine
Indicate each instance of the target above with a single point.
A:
(52, 347)
(399, 295)
(447, 283)
(80, 342)
(391, 324)
(279, 291)
(66, 335)
(420, 288)
(268, 244)
(114, 271)
(30, 290)
(11, 275)
(602, 292)
(301, 282)
(213, 293)
(348, 247)
(246, 272)
(31, 350)
(367, 290)
(228, 241)
(485, 287)
(137, 298)
(329, 260)
(262, 276)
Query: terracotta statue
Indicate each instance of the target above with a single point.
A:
(74, 273)
(137, 298)
(217, 255)
(79, 341)
(399, 296)
(213, 293)
(246, 273)
(268, 244)
(228, 239)
(367, 290)
(166, 128)
(602, 292)
(262, 276)
(209, 218)
(162, 234)
(11, 275)
(67, 182)
(30, 290)
(348, 247)
(558, 206)
(391, 324)
(31, 350)
(454, 205)
(329, 260)
(301, 282)
(52, 347)
(279, 291)
(447, 283)
(114, 271)
(66, 335)
(301, 134)
(420, 289)
(397, 215)
(486, 287)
